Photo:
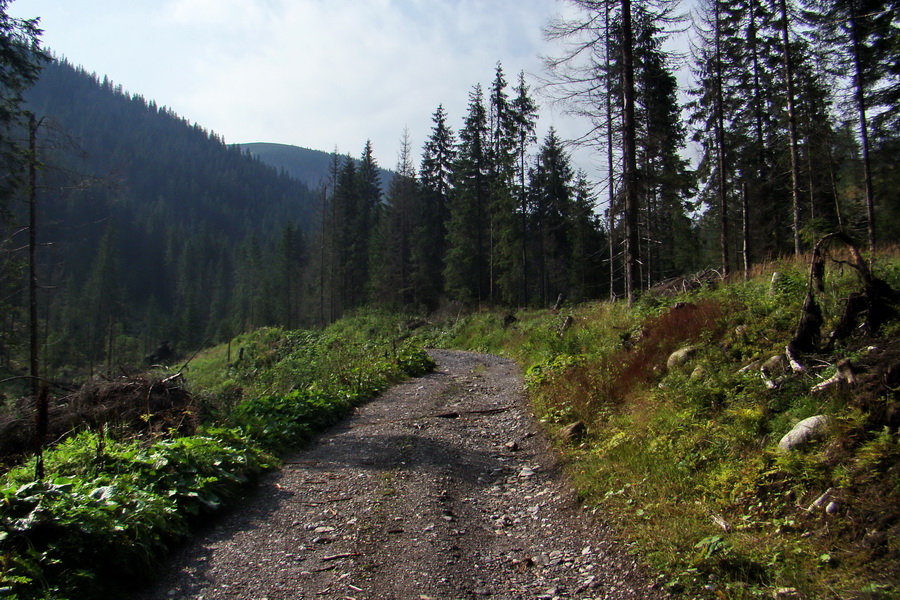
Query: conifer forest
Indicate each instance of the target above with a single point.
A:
(125, 225)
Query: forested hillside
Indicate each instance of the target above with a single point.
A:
(150, 228)
(158, 230)
(678, 406)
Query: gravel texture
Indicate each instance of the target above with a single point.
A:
(443, 488)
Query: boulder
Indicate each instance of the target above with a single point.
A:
(773, 371)
(681, 357)
(699, 373)
(572, 432)
(775, 366)
(803, 432)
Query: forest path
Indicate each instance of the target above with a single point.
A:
(443, 487)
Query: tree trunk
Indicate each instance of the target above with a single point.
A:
(792, 124)
(863, 127)
(32, 255)
(630, 158)
(745, 196)
(724, 238)
(611, 215)
(322, 244)
(759, 190)
(523, 202)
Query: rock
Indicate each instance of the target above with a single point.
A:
(803, 432)
(773, 371)
(681, 357)
(832, 507)
(526, 473)
(572, 432)
(512, 446)
(541, 560)
(698, 373)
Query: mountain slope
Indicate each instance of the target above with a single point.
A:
(312, 167)
(146, 156)
(151, 228)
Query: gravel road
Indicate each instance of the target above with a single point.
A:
(442, 488)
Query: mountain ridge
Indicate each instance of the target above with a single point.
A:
(307, 165)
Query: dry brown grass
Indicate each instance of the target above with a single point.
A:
(593, 388)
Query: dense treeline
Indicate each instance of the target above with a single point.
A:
(480, 221)
(161, 231)
(776, 112)
(792, 115)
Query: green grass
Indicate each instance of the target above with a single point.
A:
(109, 508)
(686, 464)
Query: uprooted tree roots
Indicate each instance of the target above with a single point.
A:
(865, 310)
(135, 404)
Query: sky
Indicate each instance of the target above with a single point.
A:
(321, 74)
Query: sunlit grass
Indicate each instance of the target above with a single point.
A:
(685, 463)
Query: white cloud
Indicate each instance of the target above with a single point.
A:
(314, 73)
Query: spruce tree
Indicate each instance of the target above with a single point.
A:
(364, 222)
(863, 39)
(524, 121)
(505, 244)
(435, 176)
(393, 282)
(665, 177)
(345, 204)
(21, 60)
(467, 273)
(607, 48)
(584, 241)
(629, 155)
(551, 210)
(711, 112)
(586, 77)
(790, 97)
(290, 258)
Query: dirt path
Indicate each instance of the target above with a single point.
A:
(441, 488)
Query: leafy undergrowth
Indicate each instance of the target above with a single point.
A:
(109, 506)
(686, 460)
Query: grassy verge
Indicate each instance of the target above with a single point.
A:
(110, 506)
(684, 456)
